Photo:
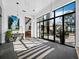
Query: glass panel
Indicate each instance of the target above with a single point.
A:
(45, 29)
(48, 15)
(69, 8)
(41, 29)
(51, 14)
(51, 31)
(37, 19)
(45, 17)
(37, 29)
(58, 29)
(41, 18)
(59, 12)
(69, 28)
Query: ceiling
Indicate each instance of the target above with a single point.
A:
(30, 6)
(34, 6)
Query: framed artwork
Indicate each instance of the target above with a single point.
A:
(13, 23)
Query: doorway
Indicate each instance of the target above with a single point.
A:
(69, 29)
(59, 30)
(27, 27)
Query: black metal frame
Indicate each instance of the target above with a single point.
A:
(54, 26)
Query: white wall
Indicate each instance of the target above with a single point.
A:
(0, 21)
(9, 7)
(4, 17)
(33, 27)
(77, 23)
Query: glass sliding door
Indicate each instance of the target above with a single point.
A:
(41, 29)
(51, 30)
(69, 29)
(46, 29)
(58, 29)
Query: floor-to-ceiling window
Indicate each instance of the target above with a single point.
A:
(51, 30)
(69, 28)
(40, 27)
(65, 24)
(59, 25)
(46, 29)
(51, 26)
(69, 24)
(46, 26)
(58, 29)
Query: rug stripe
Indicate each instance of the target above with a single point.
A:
(38, 52)
(32, 52)
(46, 53)
(30, 49)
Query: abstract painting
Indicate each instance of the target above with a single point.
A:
(13, 22)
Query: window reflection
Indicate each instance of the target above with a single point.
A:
(45, 17)
(41, 18)
(41, 29)
(51, 31)
(59, 12)
(46, 29)
(69, 28)
(51, 14)
(58, 29)
(69, 8)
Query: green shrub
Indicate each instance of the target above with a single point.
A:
(9, 34)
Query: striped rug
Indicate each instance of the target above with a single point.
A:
(36, 52)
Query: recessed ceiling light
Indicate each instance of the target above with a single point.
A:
(17, 2)
(33, 9)
(23, 10)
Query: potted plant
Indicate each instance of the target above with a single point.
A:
(9, 36)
